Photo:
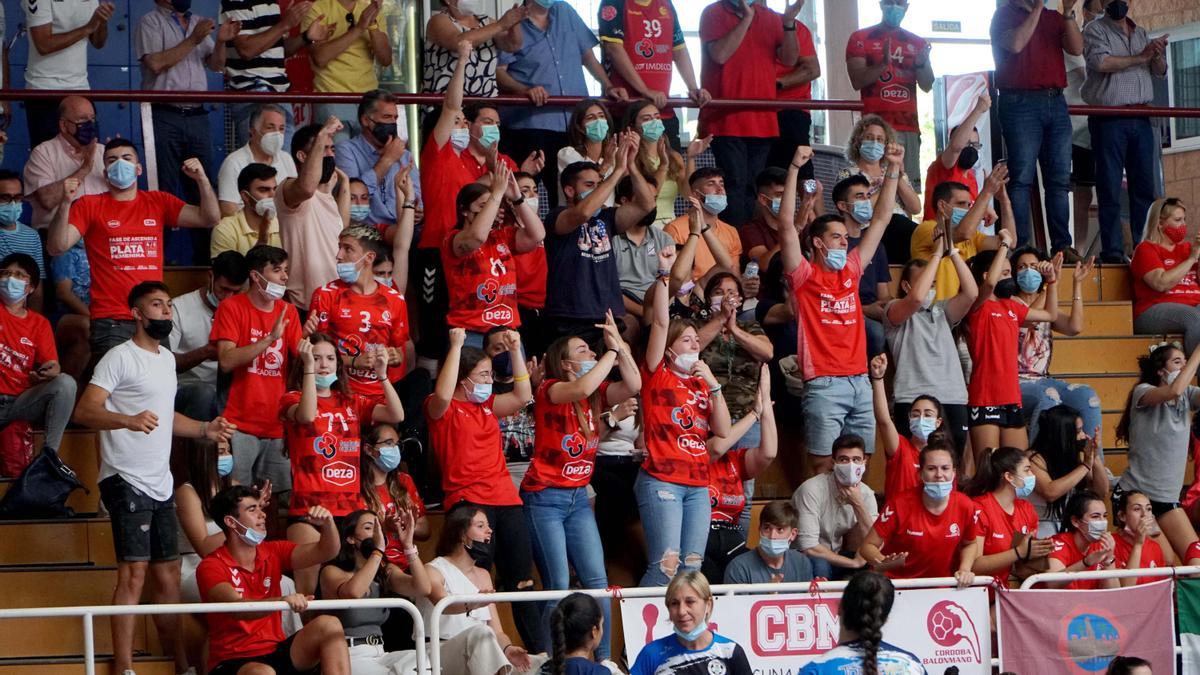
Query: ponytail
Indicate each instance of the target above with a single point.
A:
(990, 470)
(571, 626)
(558, 658)
(866, 604)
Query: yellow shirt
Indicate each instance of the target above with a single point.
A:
(233, 233)
(946, 282)
(352, 71)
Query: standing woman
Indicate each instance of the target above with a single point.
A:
(682, 407)
(1166, 294)
(458, 21)
(864, 609)
(322, 425)
(1156, 424)
(693, 648)
(1007, 524)
(926, 421)
(589, 139)
(567, 409)
(1064, 459)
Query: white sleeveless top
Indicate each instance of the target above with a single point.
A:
(457, 583)
(185, 544)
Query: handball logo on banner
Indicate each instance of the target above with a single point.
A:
(949, 627)
(1090, 639)
(804, 627)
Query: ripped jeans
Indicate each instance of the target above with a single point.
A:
(1041, 394)
(676, 519)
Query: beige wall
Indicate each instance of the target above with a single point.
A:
(841, 19)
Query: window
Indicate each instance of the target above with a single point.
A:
(1183, 85)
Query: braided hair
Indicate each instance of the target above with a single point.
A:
(866, 603)
(571, 626)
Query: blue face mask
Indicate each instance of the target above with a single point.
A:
(348, 272)
(489, 136)
(893, 14)
(835, 259)
(502, 365)
(460, 139)
(939, 490)
(695, 633)
(121, 174)
(546, 3)
(389, 457)
(359, 213)
(715, 204)
(224, 465)
(773, 547)
(585, 367)
(1026, 487)
(776, 206)
(653, 130)
(479, 391)
(13, 289)
(872, 151)
(1029, 280)
(922, 427)
(863, 211)
(325, 381)
(957, 214)
(10, 213)
(596, 130)
(252, 536)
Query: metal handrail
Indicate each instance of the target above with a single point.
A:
(1044, 577)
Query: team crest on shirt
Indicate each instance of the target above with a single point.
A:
(955, 532)
(488, 290)
(683, 418)
(114, 224)
(325, 445)
(608, 13)
(573, 445)
(644, 48)
(716, 668)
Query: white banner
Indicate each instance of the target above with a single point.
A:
(781, 633)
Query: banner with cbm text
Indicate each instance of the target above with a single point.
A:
(781, 633)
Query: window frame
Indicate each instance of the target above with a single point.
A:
(1190, 31)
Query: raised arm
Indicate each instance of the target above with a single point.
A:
(644, 198)
(1051, 271)
(406, 214)
(1167, 392)
(475, 234)
(789, 236)
(522, 393)
(884, 206)
(231, 357)
(962, 134)
(1071, 324)
(1014, 40)
(580, 213)
(759, 458)
(324, 549)
(685, 256)
(209, 212)
(958, 306)
(453, 102)
(305, 411)
(656, 345)
(899, 311)
(63, 235)
(447, 380)
(884, 428)
(301, 188)
(722, 49)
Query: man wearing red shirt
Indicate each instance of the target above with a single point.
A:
(248, 569)
(832, 341)
(123, 233)
(257, 333)
(887, 64)
(739, 43)
(957, 162)
(794, 83)
(32, 385)
(1028, 41)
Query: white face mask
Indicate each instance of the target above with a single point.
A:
(532, 202)
(470, 6)
(265, 207)
(849, 474)
(271, 142)
(686, 361)
(273, 290)
(929, 298)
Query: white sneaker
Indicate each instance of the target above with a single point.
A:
(128, 672)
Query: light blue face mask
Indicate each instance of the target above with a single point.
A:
(694, 634)
(715, 204)
(348, 271)
(835, 259)
(10, 213)
(224, 465)
(489, 136)
(652, 130)
(584, 195)
(546, 3)
(121, 174)
(872, 151)
(957, 214)
(360, 212)
(585, 367)
(939, 490)
(326, 381)
(894, 14)
(773, 547)
(922, 427)
(251, 536)
(863, 211)
(389, 457)
(1029, 280)
(1026, 487)
(596, 130)
(460, 139)
(776, 206)
(13, 289)
(479, 391)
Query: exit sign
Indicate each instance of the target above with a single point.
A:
(947, 26)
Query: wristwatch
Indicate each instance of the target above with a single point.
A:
(518, 201)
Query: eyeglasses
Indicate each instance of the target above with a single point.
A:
(9, 199)
(975, 144)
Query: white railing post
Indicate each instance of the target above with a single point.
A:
(89, 646)
(1092, 575)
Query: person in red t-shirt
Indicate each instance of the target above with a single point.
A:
(464, 433)
(1166, 295)
(993, 329)
(741, 46)
(926, 424)
(1007, 539)
(248, 568)
(832, 342)
(957, 162)
(32, 385)
(531, 275)
(388, 489)
(794, 83)
(123, 232)
(567, 412)
(1135, 544)
(256, 333)
(682, 409)
(887, 64)
(1084, 543)
(929, 532)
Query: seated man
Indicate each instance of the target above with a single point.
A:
(836, 511)
(377, 154)
(717, 237)
(15, 236)
(191, 319)
(774, 561)
(255, 223)
(248, 568)
(268, 123)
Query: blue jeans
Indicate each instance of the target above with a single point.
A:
(751, 439)
(834, 406)
(1037, 131)
(675, 519)
(1040, 395)
(564, 534)
(1123, 147)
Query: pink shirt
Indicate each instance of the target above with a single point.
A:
(53, 161)
(310, 236)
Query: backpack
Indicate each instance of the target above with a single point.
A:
(42, 489)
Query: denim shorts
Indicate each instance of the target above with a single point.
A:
(144, 529)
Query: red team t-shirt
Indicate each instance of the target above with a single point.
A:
(361, 323)
(325, 454)
(124, 244)
(25, 343)
(726, 494)
(466, 442)
(804, 92)
(231, 636)
(531, 277)
(1066, 552)
(650, 34)
(675, 423)
(257, 386)
(1148, 257)
(831, 339)
(900, 472)
(932, 542)
(894, 95)
(747, 74)
(998, 528)
(443, 175)
(1152, 556)
(483, 283)
(563, 455)
(992, 331)
(395, 551)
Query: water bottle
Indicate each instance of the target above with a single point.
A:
(751, 270)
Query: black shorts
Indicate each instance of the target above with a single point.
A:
(1159, 508)
(1003, 416)
(144, 529)
(1083, 166)
(280, 660)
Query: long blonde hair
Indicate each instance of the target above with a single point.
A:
(1160, 210)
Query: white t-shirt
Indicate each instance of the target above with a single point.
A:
(138, 380)
(227, 177)
(191, 322)
(66, 68)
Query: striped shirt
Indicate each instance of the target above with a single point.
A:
(264, 71)
(22, 239)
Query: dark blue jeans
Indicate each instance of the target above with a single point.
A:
(1037, 131)
(742, 158)
(180, 135)
(1123, 147)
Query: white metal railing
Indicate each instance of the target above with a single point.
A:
(89, 613)
(1090, 575)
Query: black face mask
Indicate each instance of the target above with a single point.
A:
(1117, 9)
(383, 132)
(1081, 444)
(967, 158)
(502, 365)
(1005, 289)
(158, 329)
(327, 168)
(86, 132)
(478, 551)
(366, 547)
(181, 6)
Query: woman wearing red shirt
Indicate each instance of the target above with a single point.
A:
(464, 431)
(387, 489)
(1165, 288)
(1007, 524)
(682, 407)
(321, 428)
(1136, 530)
(567, 412)
(925, 423)
(1084, 543)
